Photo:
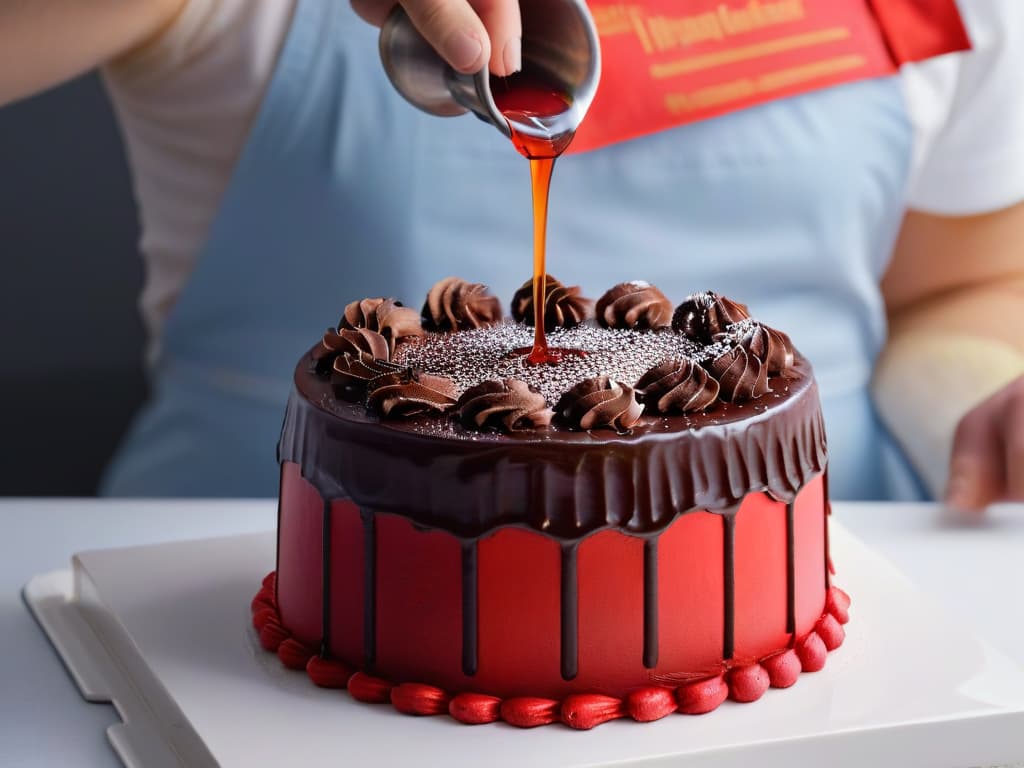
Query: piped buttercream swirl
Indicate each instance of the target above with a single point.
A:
(388, 317)
(410, 393)
(677, 386)
(703, 315)
(453, 304)
(361, 314)
(635, 305)
(337, 342)
(771, 347)
(564, 306)
(741, 375)
(600, 402)
(353, 372)
(508, 405)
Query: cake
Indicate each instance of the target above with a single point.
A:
(638, 530)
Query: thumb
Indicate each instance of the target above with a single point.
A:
(455, 31)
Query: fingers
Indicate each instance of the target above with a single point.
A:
(455, 31)
(1013, 440)
(373, 11)
(505, 28)
(976, 468)
(469, 34)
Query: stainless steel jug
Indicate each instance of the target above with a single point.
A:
(560, 44)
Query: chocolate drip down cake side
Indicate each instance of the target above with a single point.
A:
(637, 530)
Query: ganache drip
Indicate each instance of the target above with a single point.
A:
(566, 484)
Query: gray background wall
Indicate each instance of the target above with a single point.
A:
(70, 336)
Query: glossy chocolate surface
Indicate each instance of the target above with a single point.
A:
(563, 483)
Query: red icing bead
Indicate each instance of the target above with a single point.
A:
(650, 704)
(812, 653)
(702, 696)
(748, 683)
(364, 687)
(262, 617)
(830, 631)
(419, 699)
(328, 673)
(529, 711)
(293, 654)
(783, 668)
(474, 708)
(272, 635)
(583, 711)
(270, 581)
(261, 602)
(837, 603)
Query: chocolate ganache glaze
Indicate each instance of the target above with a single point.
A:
(478, 449)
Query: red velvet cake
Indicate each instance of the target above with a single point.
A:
(638, 530)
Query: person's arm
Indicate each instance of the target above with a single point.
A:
(469, 34)
(45, 42)
(950, 382)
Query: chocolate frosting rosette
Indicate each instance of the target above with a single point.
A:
(636, 305)
(508, 406)
(600, 402)
(677, 386)
(704, 315)
(454, 304)
(564, 306)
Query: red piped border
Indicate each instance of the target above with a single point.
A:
(744, 682)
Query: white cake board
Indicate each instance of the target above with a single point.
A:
(163, 632)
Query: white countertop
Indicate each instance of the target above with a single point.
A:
(972, 570)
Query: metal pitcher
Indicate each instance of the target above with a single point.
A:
(560, 43)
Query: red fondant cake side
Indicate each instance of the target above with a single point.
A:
(299, 559)
(608, 615)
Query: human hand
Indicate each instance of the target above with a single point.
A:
(469, 34)
(987, 464)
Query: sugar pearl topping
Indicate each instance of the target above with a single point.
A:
(636, 360)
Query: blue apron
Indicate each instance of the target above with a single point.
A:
(343, 191)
